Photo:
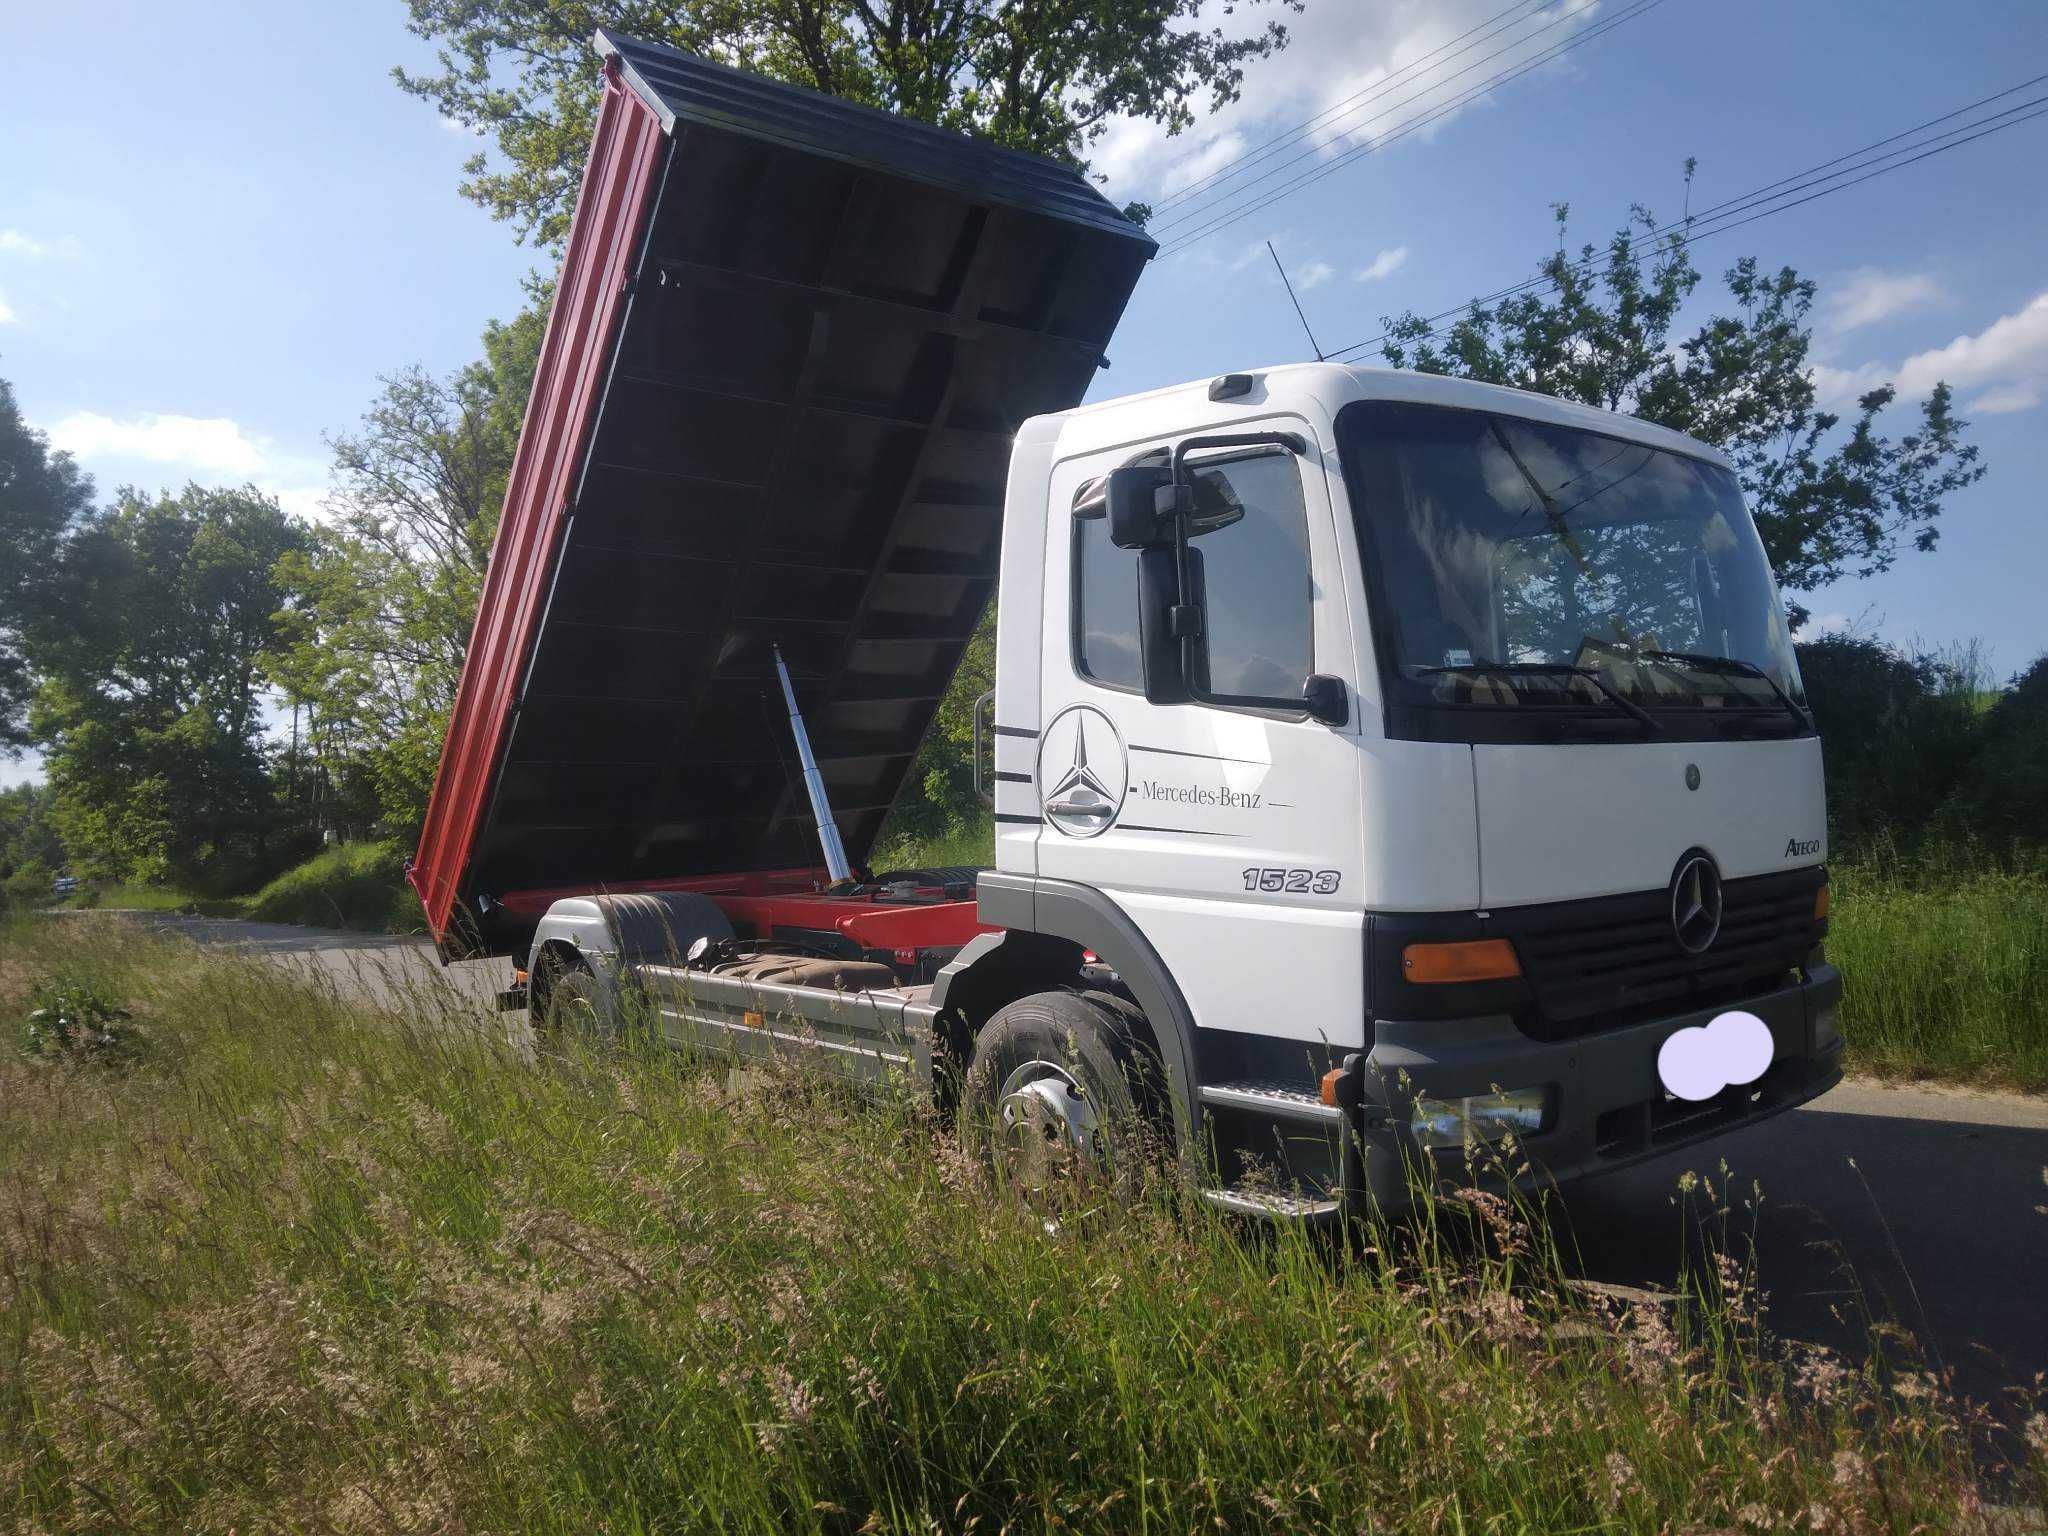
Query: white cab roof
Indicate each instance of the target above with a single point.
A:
(1330, 387)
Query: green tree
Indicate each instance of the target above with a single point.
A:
(1045, 77)
(42, 496)
(380, 600)
(1832, 496)
(28, 832)
(150, 699)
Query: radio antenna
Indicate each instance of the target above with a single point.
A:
(1294, 301)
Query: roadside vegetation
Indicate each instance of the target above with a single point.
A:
(279, 1263)
(351, 885)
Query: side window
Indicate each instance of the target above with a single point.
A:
(1251, 546)
(1105, 593)
(1255, 576)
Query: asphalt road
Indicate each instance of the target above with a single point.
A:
(1923, 1207)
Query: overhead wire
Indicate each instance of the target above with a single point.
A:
(1342, 108)
(1788, 192)
(1214, 205)
(1222, 219)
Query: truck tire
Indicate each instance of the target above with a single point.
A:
(577, 1008)
(1060, 1087)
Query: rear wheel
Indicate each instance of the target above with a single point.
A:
(576, 1007)
(1060, 1088)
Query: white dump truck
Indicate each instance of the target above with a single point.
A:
(1382, 765)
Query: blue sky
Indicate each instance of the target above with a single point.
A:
(219, 223)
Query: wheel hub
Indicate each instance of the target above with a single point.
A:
(1047, 1124)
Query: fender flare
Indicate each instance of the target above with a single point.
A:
(1024, 906)
(612, 933)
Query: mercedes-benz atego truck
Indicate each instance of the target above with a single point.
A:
(1382, 765)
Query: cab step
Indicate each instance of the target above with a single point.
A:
(1265, 1096)
(1271, 1205)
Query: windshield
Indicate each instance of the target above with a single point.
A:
(1514, 563)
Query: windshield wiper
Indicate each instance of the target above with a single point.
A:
(1557, 669)
(1729, 666)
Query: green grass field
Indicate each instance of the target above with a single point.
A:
(268, 1262)
(1945, 973)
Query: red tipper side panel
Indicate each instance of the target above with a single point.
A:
(619, 185)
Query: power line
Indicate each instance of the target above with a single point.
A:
(1783, 187)
(1338, 109)
(1779, 196)
(1421, 120)
(1315, 150)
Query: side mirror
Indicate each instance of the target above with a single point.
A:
(1134, 494)
(1327, 699)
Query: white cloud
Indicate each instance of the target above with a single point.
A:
(1315, 274)
(7, 315)
(15, 242)
(1254, 252)
(1871, 294)
(2009, 353)
(205, 447)
(213, 444)
(1372, 69)
(1382, 266)
(2002, 368)
(2004, 398)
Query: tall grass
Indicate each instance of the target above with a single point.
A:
(1944, 958)
(299, 1267)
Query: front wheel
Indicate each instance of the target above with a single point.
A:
(1059, 1090)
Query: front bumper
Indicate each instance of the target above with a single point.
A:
(1607, 1106)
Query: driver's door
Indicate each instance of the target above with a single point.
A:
(1231, 836)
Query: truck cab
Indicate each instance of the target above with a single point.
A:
(1446, 742)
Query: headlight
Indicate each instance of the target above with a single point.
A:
(1478, 1117)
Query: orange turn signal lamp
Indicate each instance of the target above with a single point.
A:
(1820, 905)
(1473, 960)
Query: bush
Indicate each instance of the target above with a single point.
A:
(2003, 797)
(74, 1020)
(1899, 732)
(351, 885)
(27, 887)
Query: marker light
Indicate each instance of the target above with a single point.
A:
(1475, 960)
(1478, 1118)
(1820, 905)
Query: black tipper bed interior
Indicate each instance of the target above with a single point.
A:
(838, 320)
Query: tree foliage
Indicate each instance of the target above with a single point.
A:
(381, 599)
(1047, 77)
(1833, 496)
(149, 695)
(42, 495)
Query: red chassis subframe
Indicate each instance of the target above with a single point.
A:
(765, 904)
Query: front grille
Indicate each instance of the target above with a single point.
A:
(1603, 964)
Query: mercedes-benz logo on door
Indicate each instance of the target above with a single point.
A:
(1081, 771)
(1696, 903)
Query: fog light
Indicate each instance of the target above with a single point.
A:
(1827, 1027)
(1478, 1117)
